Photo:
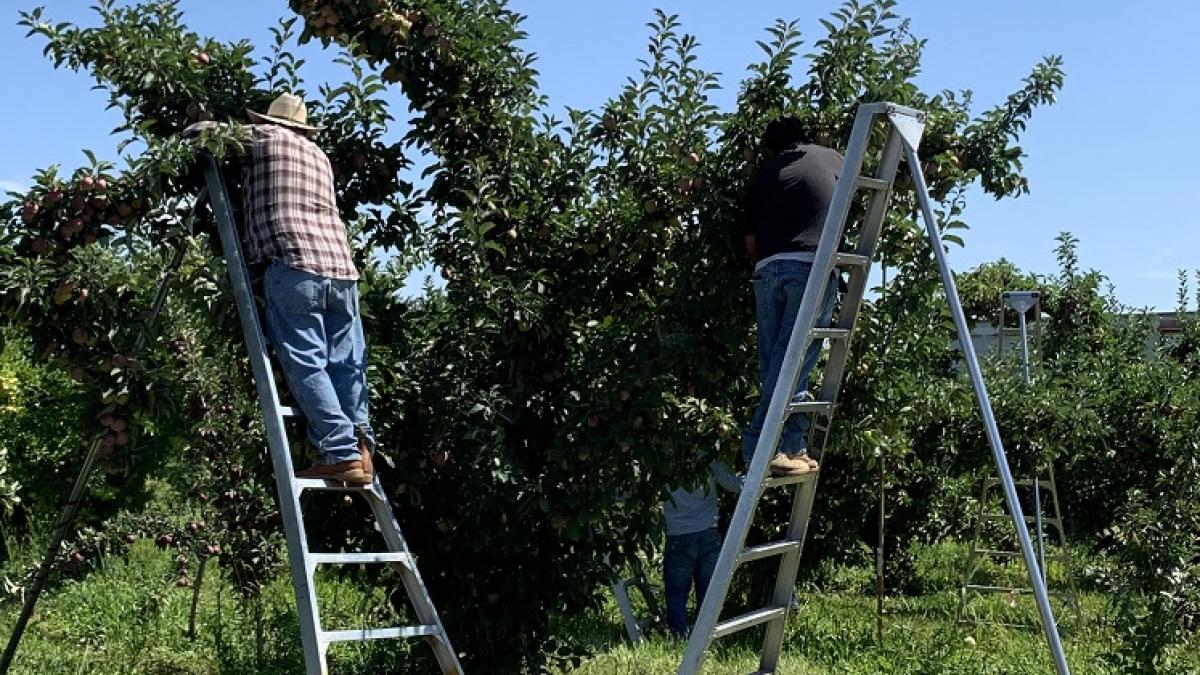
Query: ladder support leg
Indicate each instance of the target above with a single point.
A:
(785, 579)
(1010, 493)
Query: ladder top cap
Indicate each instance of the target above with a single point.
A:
(886, 108)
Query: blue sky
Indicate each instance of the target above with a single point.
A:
(1113, 161)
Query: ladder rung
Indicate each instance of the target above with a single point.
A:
(830, 333)
(1018, 591)
(749, 620)
(870, 183)
(1020, 483)
(329, 485)
(379, 633)
(851, 260)
(776, 481)
(361, 558)
(1018, 554)
(1004, 517)
(289, 411)
(767, 550)
(809, 406)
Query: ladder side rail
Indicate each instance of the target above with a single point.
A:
(835, 368)
(418, 594)
(785, 579)
(633, 629)
(789, 564)
(973, 553)
(289, 498)
(968, 348)
(65, 520)
(739, 526)
(1068, 561)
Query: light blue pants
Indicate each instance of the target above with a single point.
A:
(317, 332)
(778, 290)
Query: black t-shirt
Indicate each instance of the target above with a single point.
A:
(789, 197)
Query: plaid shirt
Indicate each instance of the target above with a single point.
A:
(289, 203)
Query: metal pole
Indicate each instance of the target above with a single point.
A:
(1024, 347)
(879, 554)
(879, 557)
(968, 348)
(1037, 485)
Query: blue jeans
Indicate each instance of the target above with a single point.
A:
(778, 290)
(689, 559)
(317, 332)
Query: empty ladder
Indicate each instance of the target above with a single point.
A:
(904, 129)
(1043, 524)
(303, 563)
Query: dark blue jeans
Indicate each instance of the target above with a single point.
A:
(690, 559)
(778, 291)
(317, 332)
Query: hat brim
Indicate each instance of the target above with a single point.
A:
(259, 117)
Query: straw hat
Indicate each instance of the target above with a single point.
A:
(288, 110)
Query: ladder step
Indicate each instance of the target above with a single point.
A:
(851, 260)
(869, 183)
(328, 636)
(767, 550)
(810, 406)
(1019, 483)
(1018, 591)
(1017, 554)
(1004, 517)
(329, 485)
(749, 620)
(777, 481)
(830, 333)
(289, 411)
(361, 558)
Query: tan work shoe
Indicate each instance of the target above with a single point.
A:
(354, 471)
(783, 465)
(813, 464)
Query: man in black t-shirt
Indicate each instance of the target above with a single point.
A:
(788, 200)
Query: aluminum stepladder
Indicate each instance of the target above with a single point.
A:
(302, 562)
(1021, 302)
(905, 127)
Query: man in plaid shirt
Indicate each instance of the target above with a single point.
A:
(292, 225)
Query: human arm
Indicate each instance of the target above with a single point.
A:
(221, 137)
(726, 478)
(751, 215)
(193, 130)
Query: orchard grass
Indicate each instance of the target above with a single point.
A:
(127, 617)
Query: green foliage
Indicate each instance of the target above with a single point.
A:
(593, 345)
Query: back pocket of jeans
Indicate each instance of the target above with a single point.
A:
(292, 291)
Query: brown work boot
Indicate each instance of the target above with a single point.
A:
(783, 465)
(356, 471)
(365, 452)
